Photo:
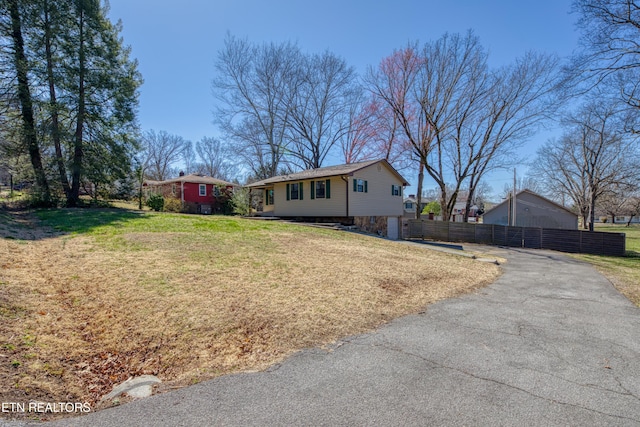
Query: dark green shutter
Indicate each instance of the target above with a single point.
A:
(313, 190)
(365, 186)
(327, 189)
(355, 185)
(266, 197)
(288, 193)
(300, 189)
(393, 187)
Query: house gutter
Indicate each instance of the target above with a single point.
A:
(346, 181)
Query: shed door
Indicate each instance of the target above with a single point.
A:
(392, 227)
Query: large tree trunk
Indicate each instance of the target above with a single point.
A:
(76, 165)
(419, 195)
(53, 103)
(446, 203)
(584, 212)
(592, 212)
(26, 105)
(467, 206)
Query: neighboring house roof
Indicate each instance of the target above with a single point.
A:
(195, 178)
(462, 205)
(339, 170)
(534, 194)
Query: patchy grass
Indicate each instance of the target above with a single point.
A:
(91, 297)
(624, 272)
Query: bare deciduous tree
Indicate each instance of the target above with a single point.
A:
(215, 158)
(453, 87)
(527, 183)
(161, 151)
(632, 208)
(255, 86)
(374, 133)
(354, 146)
(281, 106)
(594, 155)
(188, 157)
(459, 118)
(518, 99)
(393, 83)
(610, 34)
(612, 202)
(321, 111)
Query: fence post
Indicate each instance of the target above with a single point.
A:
(580, 241)
(540, 237)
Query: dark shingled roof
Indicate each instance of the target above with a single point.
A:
(198, 179)
(325, 172)
(526, 190)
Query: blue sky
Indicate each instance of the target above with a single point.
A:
(176, 42)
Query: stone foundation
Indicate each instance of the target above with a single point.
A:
(372, 224)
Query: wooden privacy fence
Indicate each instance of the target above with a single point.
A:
(574, 241)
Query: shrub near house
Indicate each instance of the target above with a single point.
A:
(197, 193)
(367, 194)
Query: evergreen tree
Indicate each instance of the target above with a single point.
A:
(20, 68)
(87, 90)
(103, 82)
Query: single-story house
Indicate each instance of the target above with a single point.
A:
(532, 210)
(199, 193)
(626, 219)
(366, 194)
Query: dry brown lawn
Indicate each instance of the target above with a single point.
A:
(83, 311)
(624, 272)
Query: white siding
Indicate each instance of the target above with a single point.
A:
(377, 201)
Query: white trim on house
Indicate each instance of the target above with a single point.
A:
(372, 188)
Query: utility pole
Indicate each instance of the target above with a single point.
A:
(513, 197)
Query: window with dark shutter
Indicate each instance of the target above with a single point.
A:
(360, 186)
(295, 191)
(320, 189)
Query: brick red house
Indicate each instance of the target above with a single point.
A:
(198, 193)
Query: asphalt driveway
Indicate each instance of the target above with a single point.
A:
(550, 343)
